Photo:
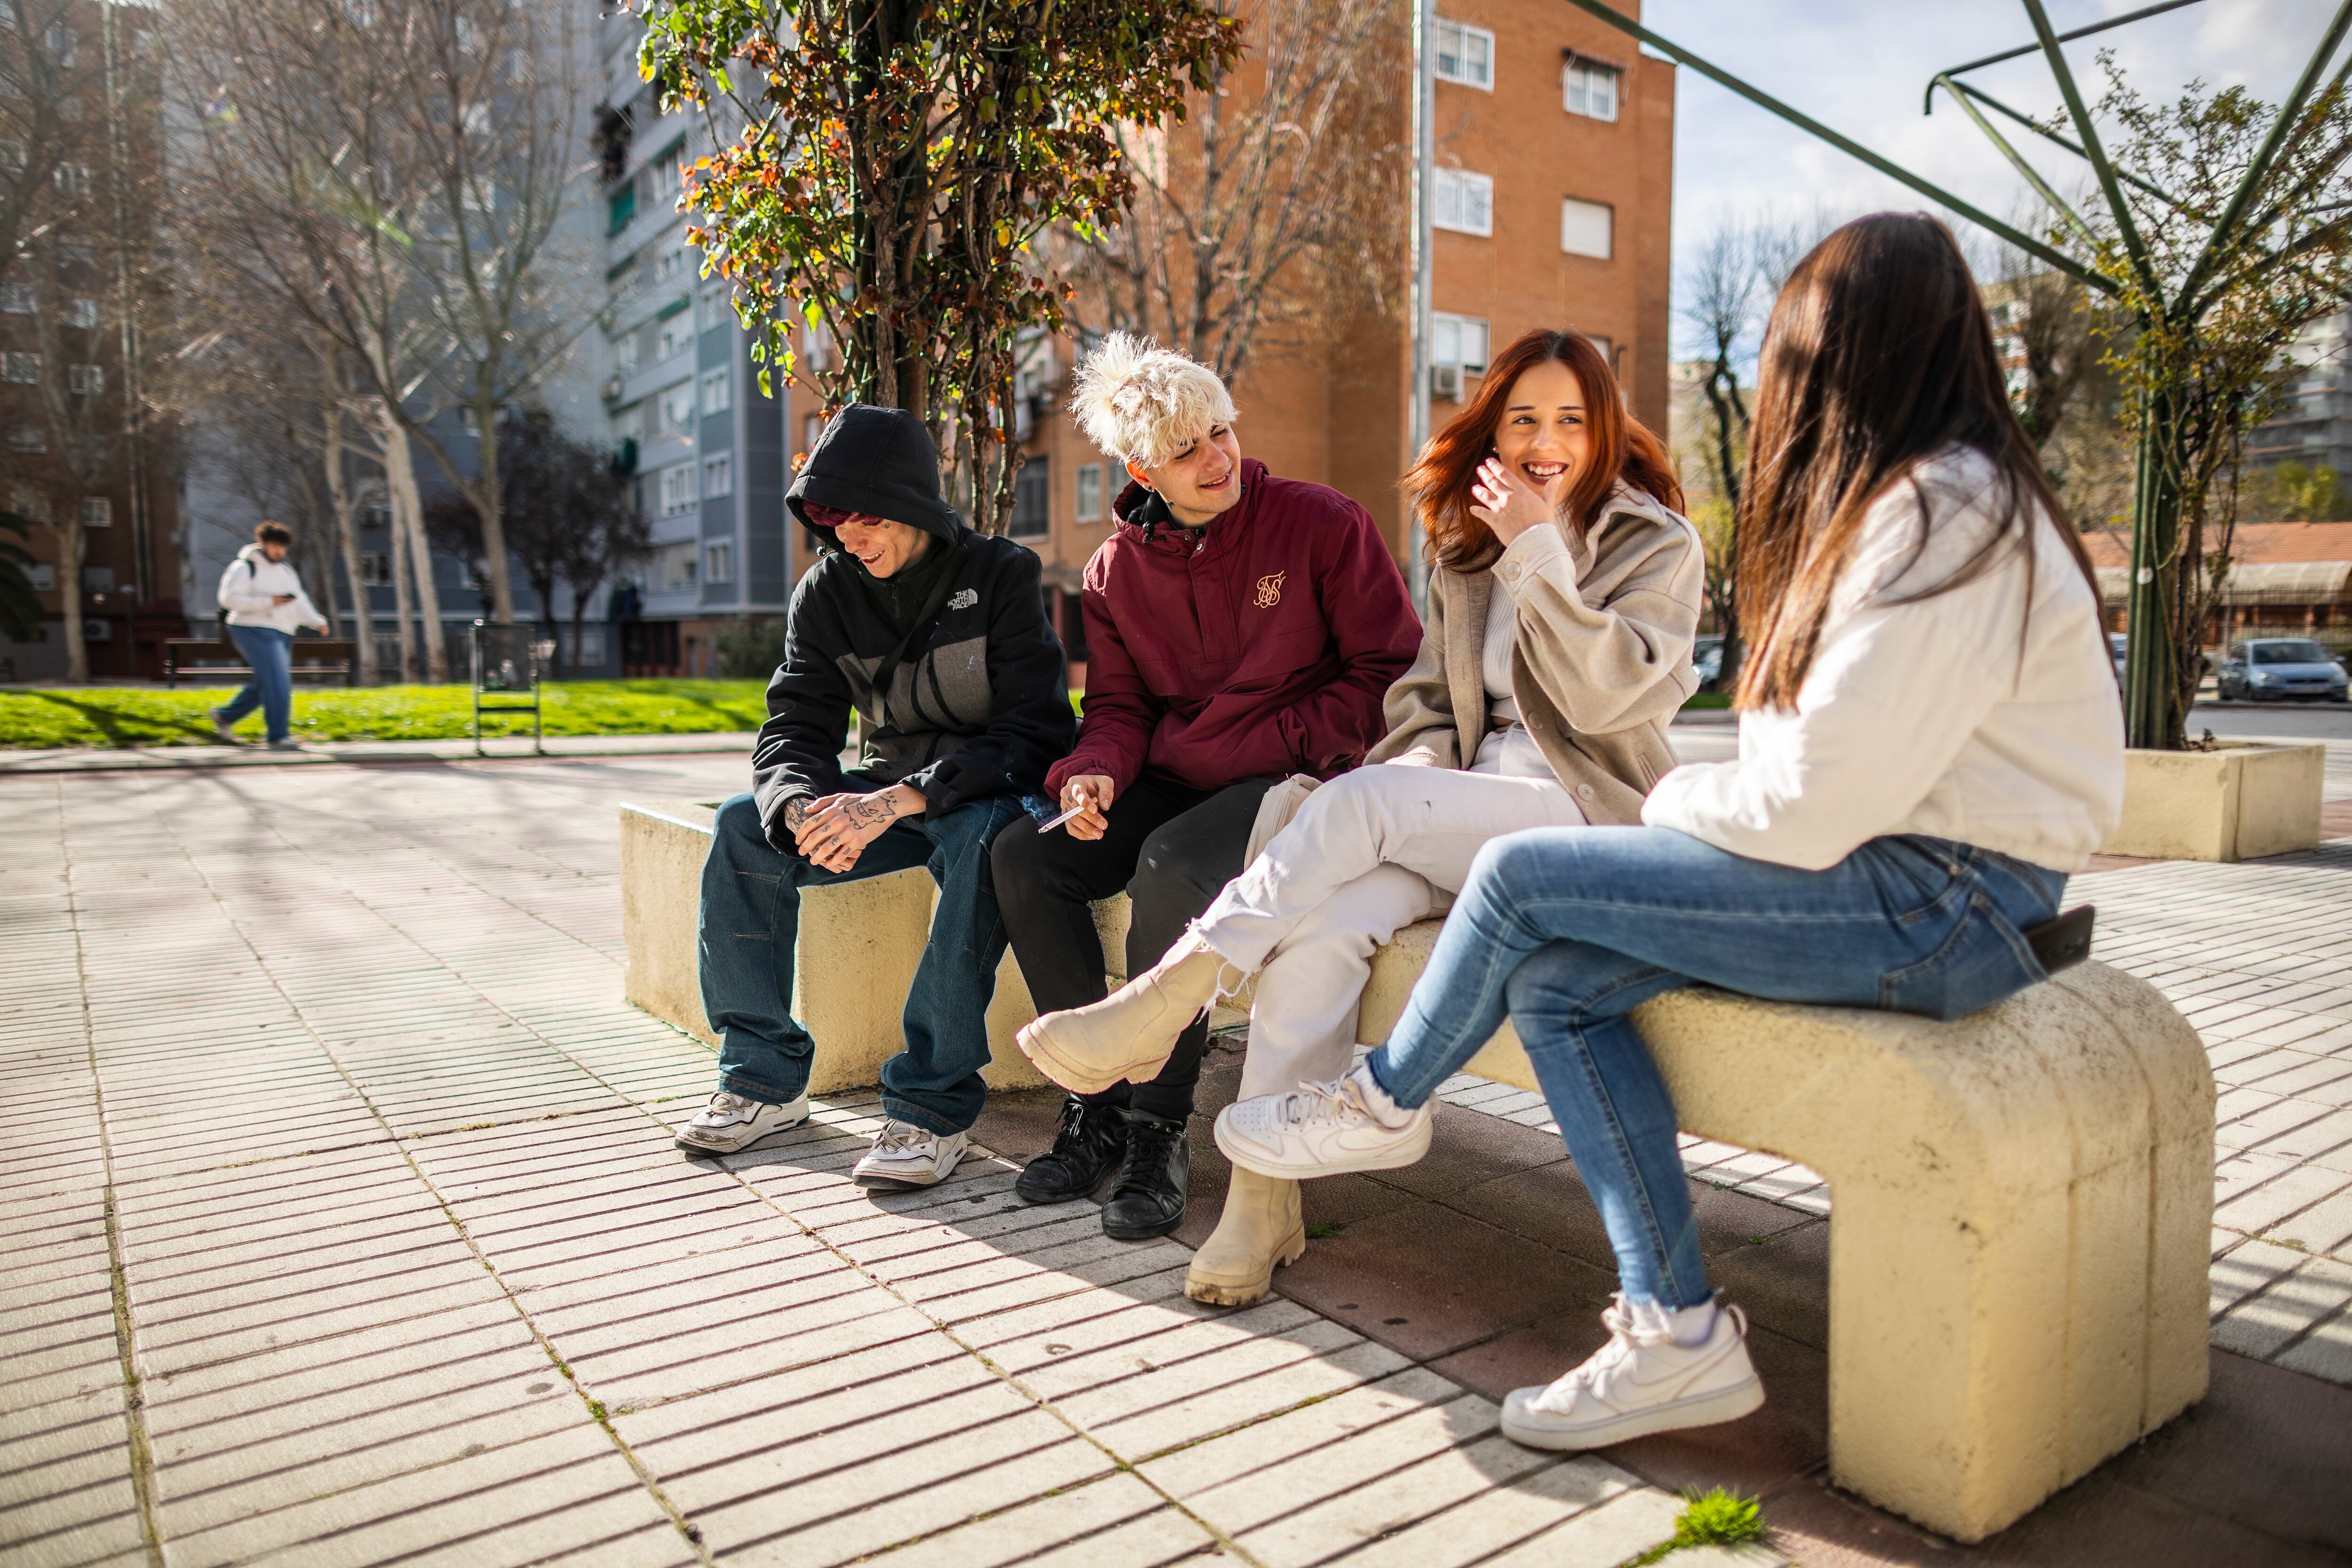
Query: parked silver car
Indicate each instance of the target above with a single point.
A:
(2278, 668)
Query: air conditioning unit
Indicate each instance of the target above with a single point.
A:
(1446, 381)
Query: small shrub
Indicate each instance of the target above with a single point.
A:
(750, 650)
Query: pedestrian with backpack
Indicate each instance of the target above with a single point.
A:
(264, 603)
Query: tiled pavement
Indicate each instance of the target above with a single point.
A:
(340, 1226)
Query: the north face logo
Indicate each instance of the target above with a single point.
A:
(1269, 590)
(965, 599)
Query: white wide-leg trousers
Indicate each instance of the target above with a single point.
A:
(1369, 854)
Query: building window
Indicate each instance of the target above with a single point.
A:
(715, 308)
(668, 267)
(1091, 496)
(1463, 202)
(1608, 349)
(82, 313)
(816, 346)
(1465, 54)
(718, 477)
(1590, 89)
(718, 563)
(375, 569)
(97, 579)
(677, 409)
(86, 380)
(676, 568)
(25, 368)
(27, 438)
(812, 427)
(42, 577)
(718, 392)
(624, 354)
(677, 335)
(97, 511)
(1458, 340)
(677, 496)
(17, 298)
(1585, 228)
(1033, 494)
(29, 503)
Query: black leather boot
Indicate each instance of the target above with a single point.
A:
(1085, 1150)
(1147, 1198)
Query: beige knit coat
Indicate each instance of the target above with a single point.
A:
(1600, 665)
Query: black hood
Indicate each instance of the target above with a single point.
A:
(878, 461)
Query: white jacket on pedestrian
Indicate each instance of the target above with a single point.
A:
(249, 590)
(1934, 717)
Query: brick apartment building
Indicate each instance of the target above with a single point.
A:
(1555, 171)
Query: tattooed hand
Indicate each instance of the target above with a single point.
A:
(796, 812)
(838, 827)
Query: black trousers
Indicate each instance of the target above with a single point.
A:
(1173, 848)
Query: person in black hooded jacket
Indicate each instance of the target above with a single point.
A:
(938, 636)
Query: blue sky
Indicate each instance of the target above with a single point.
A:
(1859, 66)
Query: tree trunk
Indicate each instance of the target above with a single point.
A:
(408, 518)
(347, 547)
(2159, 653)
(486, 498)
(403, 621)
(69, 548)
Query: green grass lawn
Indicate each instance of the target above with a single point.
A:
(103, 716)
(1700, 701)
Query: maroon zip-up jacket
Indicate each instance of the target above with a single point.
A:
(1257, 647)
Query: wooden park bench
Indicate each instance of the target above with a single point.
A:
(2021, 1200)
(315, 659)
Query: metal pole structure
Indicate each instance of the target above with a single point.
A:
(1424, 179)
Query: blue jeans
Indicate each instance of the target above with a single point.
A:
(1570, 929)
(751, 922)
(270, 652)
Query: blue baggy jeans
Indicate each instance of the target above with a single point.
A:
(751, 922)
(1568, 930)
(270, 652)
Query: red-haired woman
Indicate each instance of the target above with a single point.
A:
(1560, 619)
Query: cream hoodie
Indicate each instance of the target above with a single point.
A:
(249, 588)
(1923, 718)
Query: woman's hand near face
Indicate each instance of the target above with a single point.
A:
(1504, 502)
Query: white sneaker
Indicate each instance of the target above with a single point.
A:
(730, 1122)
(1641, 1382)
(221, 729)
(286, 743)
(906, 1157)
(1324, 1130)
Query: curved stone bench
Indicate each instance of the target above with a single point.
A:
(2019, 1227)
(2021, 1200)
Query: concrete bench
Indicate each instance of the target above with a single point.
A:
(2020, 1229)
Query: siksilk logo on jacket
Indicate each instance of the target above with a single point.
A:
(1257, 647)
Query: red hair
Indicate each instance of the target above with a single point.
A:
(1626, 449)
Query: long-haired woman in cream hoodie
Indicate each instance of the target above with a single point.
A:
(1929, 743)
(1562, 609)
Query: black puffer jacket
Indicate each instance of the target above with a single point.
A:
(979, 703)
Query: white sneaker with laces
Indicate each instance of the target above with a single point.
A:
(1641, 1382)
(1324, 1130)
(906, 1157)
(730, 1123)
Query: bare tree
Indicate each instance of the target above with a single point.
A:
(318, 196)
(1261, 211)
(48, 81)
(497, 121)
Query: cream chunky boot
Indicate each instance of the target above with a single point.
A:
(1132, 1033)
(1261, 1229)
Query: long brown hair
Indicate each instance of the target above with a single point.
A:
(1622, 448)
(1878, 354)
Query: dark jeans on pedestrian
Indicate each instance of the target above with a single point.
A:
(750, 923)
(270, 652)
(1172, 849)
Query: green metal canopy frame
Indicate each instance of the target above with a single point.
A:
(2152, 667)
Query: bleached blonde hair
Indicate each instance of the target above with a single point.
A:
(1143, 404)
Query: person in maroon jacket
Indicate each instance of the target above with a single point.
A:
(1240, 628)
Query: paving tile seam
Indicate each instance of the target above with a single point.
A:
(644, 1477)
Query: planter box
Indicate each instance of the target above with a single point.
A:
(2230, 803)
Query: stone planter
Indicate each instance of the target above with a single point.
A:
(2234, 803)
